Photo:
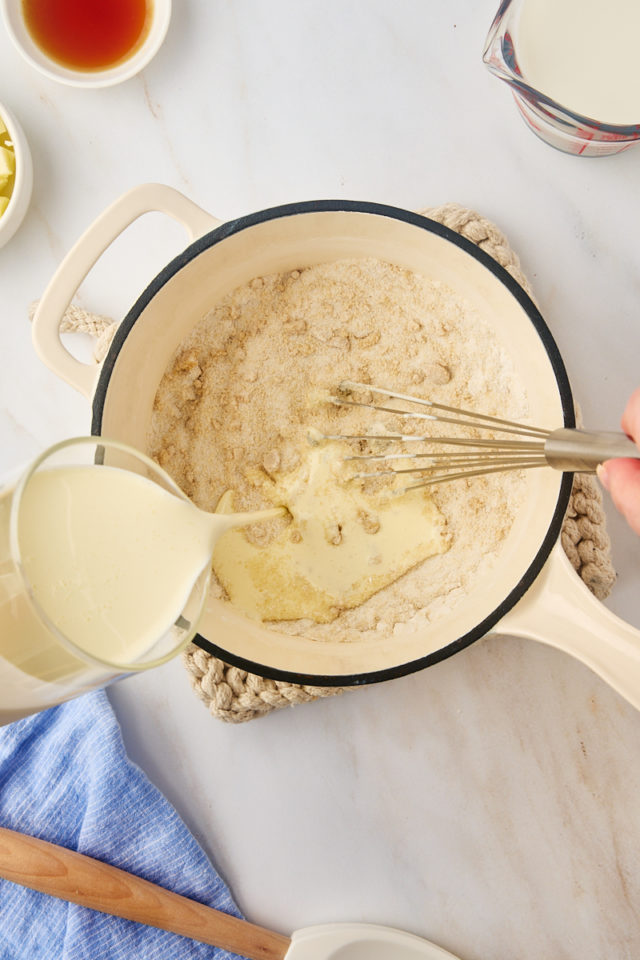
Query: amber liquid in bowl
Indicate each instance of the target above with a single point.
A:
(88, 34)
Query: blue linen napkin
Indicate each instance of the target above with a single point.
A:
(65, 777)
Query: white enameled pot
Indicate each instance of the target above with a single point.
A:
(531, 591)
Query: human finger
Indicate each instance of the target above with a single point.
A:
(622, 479)
(631, 417)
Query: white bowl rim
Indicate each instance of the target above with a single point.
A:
(23, 183)
(48, 67)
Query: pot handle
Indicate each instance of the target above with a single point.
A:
(559, 610)
(146, 198)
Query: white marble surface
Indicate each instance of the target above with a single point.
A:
(488, 803)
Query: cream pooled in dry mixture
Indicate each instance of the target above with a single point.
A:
(346, 539)
(234, 409)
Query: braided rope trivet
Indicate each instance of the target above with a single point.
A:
(234, 695)
(78, 320)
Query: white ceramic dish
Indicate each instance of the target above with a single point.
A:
(23, 184)
(16, 28)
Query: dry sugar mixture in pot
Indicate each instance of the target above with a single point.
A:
(234, 408)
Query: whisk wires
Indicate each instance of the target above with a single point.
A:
(482, 456)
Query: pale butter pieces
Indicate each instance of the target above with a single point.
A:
(7, 167)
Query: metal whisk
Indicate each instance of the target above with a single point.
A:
(578, 451)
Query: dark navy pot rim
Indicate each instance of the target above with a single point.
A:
(232, 227)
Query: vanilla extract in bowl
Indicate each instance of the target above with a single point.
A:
(88, 34)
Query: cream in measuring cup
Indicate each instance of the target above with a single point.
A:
(574, 70)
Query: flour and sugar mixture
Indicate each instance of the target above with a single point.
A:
(246, 393)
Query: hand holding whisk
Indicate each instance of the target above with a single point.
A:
(622, 477)
(523, 447)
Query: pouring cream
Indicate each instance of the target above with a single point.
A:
(343, 543)
(110, 558)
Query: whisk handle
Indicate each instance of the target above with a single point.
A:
(580, 451)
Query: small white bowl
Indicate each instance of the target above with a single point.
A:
(17, 29)
(23, 182)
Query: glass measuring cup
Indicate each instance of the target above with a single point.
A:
(552, 121)
(42, 663)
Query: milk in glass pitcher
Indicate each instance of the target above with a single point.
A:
(104, 571)
(574, 70)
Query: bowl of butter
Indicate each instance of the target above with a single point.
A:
(16, 174)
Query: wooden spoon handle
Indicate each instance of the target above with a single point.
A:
(72, 876)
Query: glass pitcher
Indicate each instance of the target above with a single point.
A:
(573, 38)
(42, 662)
